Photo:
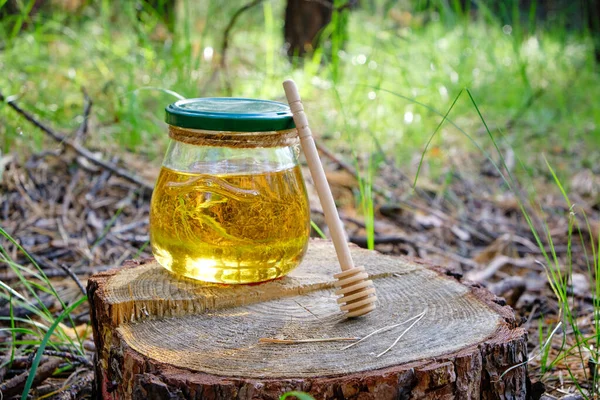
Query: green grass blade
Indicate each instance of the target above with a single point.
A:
(433, 135)
(511, 183)
(13, 335)
(25, 321)
(141, 249)
(24, 331)
(583, 243)
(12, 292)
(26, 282)
(597, 300)
(576, 383)
(22, 250)
(42, 311)
(557, 182)
(317, 229)
(298, 395)
(448, 120)
(107, 228)
(44, 342)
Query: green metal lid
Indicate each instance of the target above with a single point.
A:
(230, 114)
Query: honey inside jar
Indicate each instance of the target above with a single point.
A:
(232, 227)
(230, 205)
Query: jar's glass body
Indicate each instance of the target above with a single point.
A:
(229, 214)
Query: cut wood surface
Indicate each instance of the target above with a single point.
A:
(160, 336)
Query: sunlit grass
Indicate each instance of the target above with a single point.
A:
(430, 62)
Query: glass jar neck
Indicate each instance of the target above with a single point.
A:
(198, 159)
(234, 139)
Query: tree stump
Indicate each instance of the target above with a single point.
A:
(163, 337)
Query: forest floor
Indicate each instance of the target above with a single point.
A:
(76, 218)
(519, 214)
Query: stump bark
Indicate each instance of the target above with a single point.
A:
(163, 337)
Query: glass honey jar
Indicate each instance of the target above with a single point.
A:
(230, 205)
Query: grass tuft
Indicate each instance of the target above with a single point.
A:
(41, 328)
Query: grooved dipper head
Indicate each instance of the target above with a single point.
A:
(356, 291)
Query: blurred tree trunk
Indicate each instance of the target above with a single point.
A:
(593, 21)
(16, 8)
(164, 9)
(30, 7)
(304, 20)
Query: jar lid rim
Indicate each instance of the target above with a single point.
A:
(233, 114)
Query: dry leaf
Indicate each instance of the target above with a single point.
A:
(82, 331)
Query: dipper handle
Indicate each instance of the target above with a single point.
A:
(316, 171)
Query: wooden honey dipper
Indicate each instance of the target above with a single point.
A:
(356, 290)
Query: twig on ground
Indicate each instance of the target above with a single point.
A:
(23, 362)
(515, 285)
(306, 309)
(4, 364)
(354, 221)
(225, 42)
(68, 197)
(100, 182)
(82, 130)
(82, 151)
(334, 157)
(17, 383)
(362, 242)
(42, 261)
(407, 203)
(69, 356)
(347, 167)
(21, 311)
(127, 227)
(556, 249)
(495, 265)
(82, 382)
(384, 193)
(389, 210)
(46, 390)
(486, 237)
(72, 275)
